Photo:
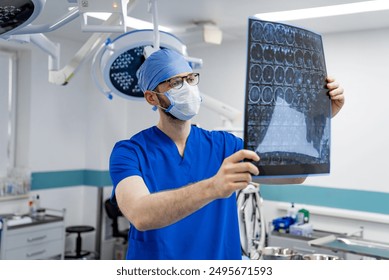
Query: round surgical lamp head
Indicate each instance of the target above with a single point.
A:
(15, 14)
(122, 57)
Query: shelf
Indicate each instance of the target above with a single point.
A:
(13, 197)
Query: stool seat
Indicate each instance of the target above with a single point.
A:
(79, 229)
(79, 253)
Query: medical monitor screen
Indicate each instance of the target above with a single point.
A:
(287, 107)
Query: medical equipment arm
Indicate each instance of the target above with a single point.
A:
(230, 114)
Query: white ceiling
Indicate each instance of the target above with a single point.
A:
(230, 15)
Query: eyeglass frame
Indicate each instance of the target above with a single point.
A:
(182, 80)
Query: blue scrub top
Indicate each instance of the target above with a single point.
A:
(211, 232)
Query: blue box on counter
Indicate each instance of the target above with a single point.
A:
(282, 224)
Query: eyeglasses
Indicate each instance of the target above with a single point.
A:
(177, 82)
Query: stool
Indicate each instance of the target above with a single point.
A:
(79, 253)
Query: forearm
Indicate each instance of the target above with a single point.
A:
(164, 208)
(148, 211)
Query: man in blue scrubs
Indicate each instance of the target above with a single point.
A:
(176, 182)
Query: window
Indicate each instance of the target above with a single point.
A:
(7, 122)
(7, 111)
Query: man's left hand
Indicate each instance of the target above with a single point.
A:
(336, 95)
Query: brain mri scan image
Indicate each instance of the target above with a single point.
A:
(287, 109)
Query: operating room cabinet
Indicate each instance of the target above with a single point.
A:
(41, 240)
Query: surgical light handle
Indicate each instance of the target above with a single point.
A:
(95, 77)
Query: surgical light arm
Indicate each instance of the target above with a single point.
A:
(62, 76)
(33, 34)
(43, 28)
(230, 114)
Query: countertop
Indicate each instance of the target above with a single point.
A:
(315, 234)
(27, 220)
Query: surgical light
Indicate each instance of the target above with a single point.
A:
(118, 60)
(15, 14)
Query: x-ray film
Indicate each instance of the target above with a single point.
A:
(287, 108)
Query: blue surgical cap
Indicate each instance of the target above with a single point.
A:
(160, 66)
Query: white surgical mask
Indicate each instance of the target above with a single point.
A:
(184, 102)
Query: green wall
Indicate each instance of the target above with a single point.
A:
(358, 200)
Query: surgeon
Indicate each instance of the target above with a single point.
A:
(176, 182)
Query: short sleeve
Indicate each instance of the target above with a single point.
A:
(124, 162)
(232, 143)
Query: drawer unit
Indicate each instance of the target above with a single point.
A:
(34, 235)
(44, 238)
(46, 250)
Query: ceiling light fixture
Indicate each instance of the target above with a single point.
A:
(326, 11)
(212, 34)
(131, 22)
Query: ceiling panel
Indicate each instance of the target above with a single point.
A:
(230, 15)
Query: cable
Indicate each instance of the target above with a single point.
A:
(251, 221)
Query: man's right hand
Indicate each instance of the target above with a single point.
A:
(234, 173)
